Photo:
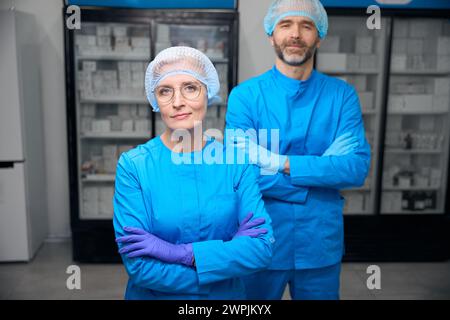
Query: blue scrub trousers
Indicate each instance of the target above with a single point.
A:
(305, 284)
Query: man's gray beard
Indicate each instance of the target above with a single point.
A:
(294, 61)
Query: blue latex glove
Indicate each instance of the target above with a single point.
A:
(143, 244)
(247, 227)
(259, 155)
(343, 145)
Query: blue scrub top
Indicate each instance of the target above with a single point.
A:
(199, 203)
(305, 206)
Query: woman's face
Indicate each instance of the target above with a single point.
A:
(182, 101)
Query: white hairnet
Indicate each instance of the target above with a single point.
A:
(181, 60)
(312, 9)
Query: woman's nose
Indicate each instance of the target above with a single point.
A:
(178, 99)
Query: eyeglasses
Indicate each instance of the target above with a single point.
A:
(190, 91)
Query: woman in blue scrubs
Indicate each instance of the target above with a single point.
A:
(187, 229)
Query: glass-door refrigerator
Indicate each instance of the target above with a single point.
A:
(108, 112)
(401, 72)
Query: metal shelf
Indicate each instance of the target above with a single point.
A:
(432, 211)
(112, 99)
(411, 188)
(117, 56)
(420, 72)
(419, 112)
(413, 151)
(116, 135)
(99, 178)
(335, 72)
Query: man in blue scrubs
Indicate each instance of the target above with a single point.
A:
(322, 149)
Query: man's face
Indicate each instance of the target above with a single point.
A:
(295, 40)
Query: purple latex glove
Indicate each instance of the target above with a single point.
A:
(143, 244)
(246, 228)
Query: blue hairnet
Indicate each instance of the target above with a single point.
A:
(181, 60)
(312, 9)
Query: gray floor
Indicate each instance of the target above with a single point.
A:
(45, 278)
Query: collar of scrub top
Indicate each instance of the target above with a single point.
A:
(292, 86)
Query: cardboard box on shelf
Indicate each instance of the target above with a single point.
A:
(110, 165)
(123, 111)
(366, 100)
(419, 29)
(396, 102)
(136, 67)
(143, 111)
(116, 123)
(86, 124)
(330, 44)
(104, 41)
(119, 31)
(101, 126)
(85, 40)
(355, 202)
(398, 62)
(89, 66)
(332, 61)
(103, 30)
(124, 65)
(102, 49)
(443, 62)
(127, 125)
(418, 102)
(401, 28)
(141, 125)
(368, 61)
(443, 46)
(122, 49)
(427, 123)
(391, 202)
(109, 151)
(416, 62)
(441, 102)
(442, 86)
(140, 42)
(137, 76)
(121, 41)
(133, 111)
(90, 208)
(400, 46)
(435, 177)
(415, 46)
(364, 45)
(88, 110)
(353, 62)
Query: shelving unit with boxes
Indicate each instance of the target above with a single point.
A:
(402, 75)
(112, 112)
(415, 147)
(355, 55)
(108, 112)
(417, 128)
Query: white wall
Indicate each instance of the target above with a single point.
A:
(48, 15)
(256, 55)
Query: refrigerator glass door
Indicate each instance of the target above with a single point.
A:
(416, 144)
(355, 54)
(113, 114)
